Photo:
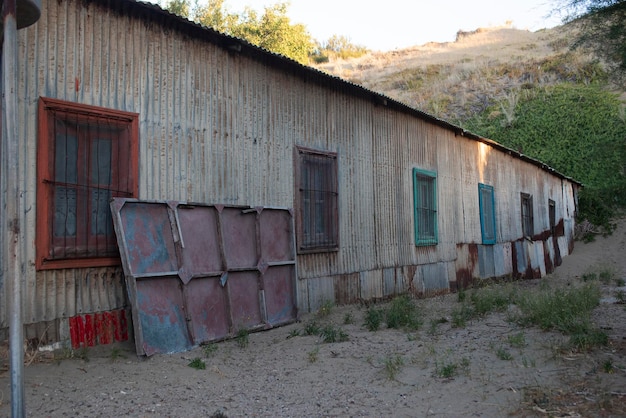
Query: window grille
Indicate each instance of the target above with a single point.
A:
(317, 201)
(425, 207)
(552, 215)
(528, 226)
(87, 156)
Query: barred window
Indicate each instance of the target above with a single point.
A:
(425, 207)
(528, 223)
(86, 156)
(552, 216)
(316, 183)
(487, 206)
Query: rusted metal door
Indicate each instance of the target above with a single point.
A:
(199, 273)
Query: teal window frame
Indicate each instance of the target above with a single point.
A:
(425, 207)
(487, 206)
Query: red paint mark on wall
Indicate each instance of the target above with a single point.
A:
(98, 329)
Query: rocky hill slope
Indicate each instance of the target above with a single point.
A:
(457, 80)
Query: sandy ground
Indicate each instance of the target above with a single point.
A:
(281, 374)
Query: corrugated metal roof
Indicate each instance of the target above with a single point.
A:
(154, 13)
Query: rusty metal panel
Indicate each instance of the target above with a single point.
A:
(280, 293)
(245, 299)
(148, 238)
(276, 236)
(200, 279)
(371, 284)
(199, 230)
(347, 288)
(503, 259)
(522, 257)
(486, 261)
(239, 237)
(208, 306)
(389, 282)
(160, 309)
(435, 277)
(537, 260)
(320, 290)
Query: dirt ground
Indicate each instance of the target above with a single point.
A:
(438, 370)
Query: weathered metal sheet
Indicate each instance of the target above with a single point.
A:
(159, 308)
(199, 232)
(320, 290)
(149, 241)
(486, 261)
(207, 304)
(279, 291)
(195, 272)
(503, 259)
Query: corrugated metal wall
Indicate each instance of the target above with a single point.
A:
(216, 127)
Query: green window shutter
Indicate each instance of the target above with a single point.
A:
(487, 207)
(425, 207)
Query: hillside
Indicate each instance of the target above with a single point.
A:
(530, 91)
(457, 80)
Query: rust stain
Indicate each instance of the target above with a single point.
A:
(559, 229)
(546, 258)
(347, 288)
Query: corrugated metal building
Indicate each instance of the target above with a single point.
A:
(120, 98)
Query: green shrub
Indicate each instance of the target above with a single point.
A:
(402, 313)
(373, 318)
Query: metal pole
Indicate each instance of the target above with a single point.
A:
(13, 198)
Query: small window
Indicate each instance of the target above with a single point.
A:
(425, 206)
(86, 156)
(528, 225)
(487, 207)
(317, 204)
(552, 215)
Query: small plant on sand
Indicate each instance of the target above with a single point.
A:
(326, 309)
(517, 340)
(197, 363)
(373, 318)
(504, 354)
(393, 364)
(608, 367)
(313, 354)
(606, 275)
(242, 338)
(116, 354)
(330, 334)
(403, 313)
(348, 318)
(209, 350)
(446, 370)
(293, 333)
(312, 328)
(218, 414)
(461, 314)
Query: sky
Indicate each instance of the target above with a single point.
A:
(386, 25)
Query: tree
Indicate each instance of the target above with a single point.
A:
(179, 7)
(603, 28)
(272, 30)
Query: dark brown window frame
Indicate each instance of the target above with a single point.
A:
(324, 209)
(51, 112)
(527, 215)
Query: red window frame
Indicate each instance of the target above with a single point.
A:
(87, 125)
